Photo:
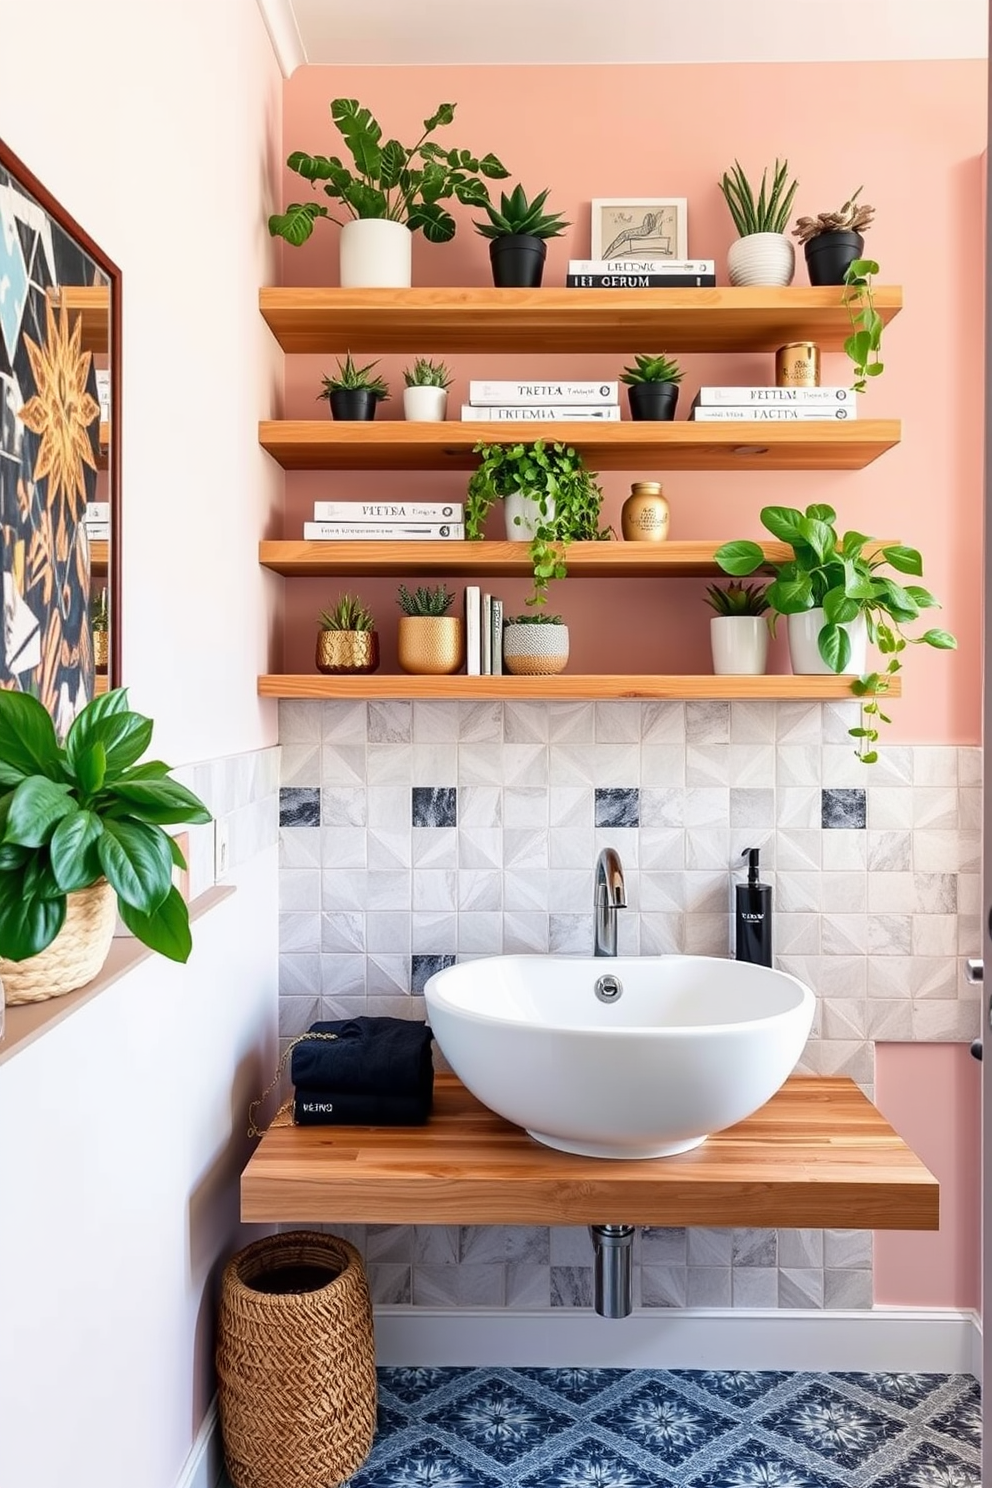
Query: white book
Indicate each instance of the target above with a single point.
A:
(535, 412)
(373, 531)
(473, 630)
(482, 394)
(98, 533)
(486, 626)
(497, 634)
(642, 266)
(798, 395)
(758, 414)
(388, 511)
(97, 511)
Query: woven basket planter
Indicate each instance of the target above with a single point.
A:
(75, 956)
(295, 1362)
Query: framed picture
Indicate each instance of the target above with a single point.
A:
(640, 227)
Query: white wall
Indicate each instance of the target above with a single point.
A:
(158, 127)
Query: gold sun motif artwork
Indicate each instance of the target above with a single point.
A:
(62, 411)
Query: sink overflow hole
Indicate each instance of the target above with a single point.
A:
(609, 988)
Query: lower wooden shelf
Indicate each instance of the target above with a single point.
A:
(568, 686)
(818, 1154)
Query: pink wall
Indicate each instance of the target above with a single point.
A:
(913, 134)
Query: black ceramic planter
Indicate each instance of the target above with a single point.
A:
(352, 403)
(829, 254)
(653, 400)
(518, 261)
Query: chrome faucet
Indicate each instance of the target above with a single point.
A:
(609, 895)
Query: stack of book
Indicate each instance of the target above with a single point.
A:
(483, 633)
(96, 520)
(648, 273)
(773, 404)
(545, 402)
(385, 521)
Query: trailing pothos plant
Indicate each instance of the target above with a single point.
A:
(565, 493)
(864, 344)
(842, 574)
(75, 812)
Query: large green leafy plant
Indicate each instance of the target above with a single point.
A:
(566, 495)
(76, 812)
(843, 576)
(402, 183)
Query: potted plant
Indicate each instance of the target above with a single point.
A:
(738, 633)
(763, 254)
(347, 640)
(864, 344)
(354, 393)
(391, 192)
(549, 498)
(430, 641)
(518, 235)
(837, 599)
(425, 396)
(81, 840)
(832, 240)
(652, 387)
(100, 625)
(535, 645)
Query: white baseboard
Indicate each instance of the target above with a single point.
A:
(205, 1463)
(915, 1340)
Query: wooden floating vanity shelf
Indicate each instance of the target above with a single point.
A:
(567, 687)
(817, 1155)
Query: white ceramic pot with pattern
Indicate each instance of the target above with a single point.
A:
(766, 258)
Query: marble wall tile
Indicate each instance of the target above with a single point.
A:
(527, 1285)
(707, 722)
(663, 1286)
(889, 852)
(663, 764)
(799, 1287)
(663, 723)
(572, 723)
(843, 807)
(617, 806)
(422, 967)
(754, 1286)
(433, 933)
(708, 1286)
(572, 1286)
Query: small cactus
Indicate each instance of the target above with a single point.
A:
(348, 614)
(425, 600)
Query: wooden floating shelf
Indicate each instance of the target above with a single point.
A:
(92, 303)
(395, 444)
(818, 1154)
(566, 686)
(99, 557)
(571, 321)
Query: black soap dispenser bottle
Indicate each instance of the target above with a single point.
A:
(753, 915)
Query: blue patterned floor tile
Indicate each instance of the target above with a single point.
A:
(909, 1390)
(388, 1421)
(662, 1422)
(754, 1465)
(740, 1387)
(592, 1464)
(823, 1421)
(962, 1420)
(577, 1385)
(428, 1464)
(500, 1420)
(930, 1466)
(411, 1384)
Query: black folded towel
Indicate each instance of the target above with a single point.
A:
(328, 1108)
(369, 1056)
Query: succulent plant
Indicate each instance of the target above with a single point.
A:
(349, 613)
(536, 618)
(350, 377)
(737, 599)
(851, 217)
(517, 215)
(98, 610)
(425, 600)
(652, 369)
(425, 373)
(766, 212)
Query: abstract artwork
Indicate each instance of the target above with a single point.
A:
(639, 227)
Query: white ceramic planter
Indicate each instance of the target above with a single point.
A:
(425, 405)
(761, 258)
(739, 644)
(535, 650)
(376, 254)
(804, 653)
(522, 516)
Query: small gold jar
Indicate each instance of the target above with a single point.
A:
(644, 516)
(798, 365)
(344, 651)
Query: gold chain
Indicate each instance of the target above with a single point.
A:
(327, 1038)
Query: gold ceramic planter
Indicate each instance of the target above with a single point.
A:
(431, 645)
(342, 651)
(100, 650)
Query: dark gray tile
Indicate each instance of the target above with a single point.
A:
(618, 806)
(843, 806)
(422, 967)
(299, 806)
(435, 806)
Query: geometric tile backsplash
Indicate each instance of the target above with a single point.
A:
(417, 833)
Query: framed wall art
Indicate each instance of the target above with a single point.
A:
(640, 227)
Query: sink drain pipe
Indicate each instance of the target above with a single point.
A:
(612, 1246)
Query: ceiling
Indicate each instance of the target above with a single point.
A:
(520, 32)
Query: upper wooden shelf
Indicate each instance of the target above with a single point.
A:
(92, 302)
(566, 687)
(572, 321)
(395, 444)
(818, 1154)
(99, 556)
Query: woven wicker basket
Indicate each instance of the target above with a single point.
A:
(74, 957)
(295, 1362)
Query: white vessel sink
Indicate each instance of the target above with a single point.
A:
(691, 1045)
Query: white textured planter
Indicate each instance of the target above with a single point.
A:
(804, 653)
(535, 650)
(522, 516)
(761, 258)
(739, 644)
(425, 405)
(376, 254)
